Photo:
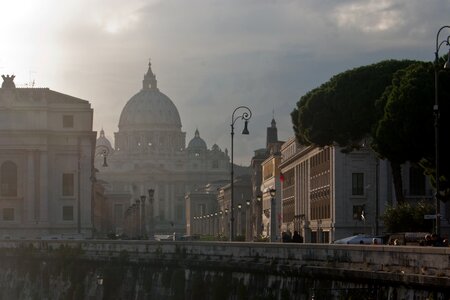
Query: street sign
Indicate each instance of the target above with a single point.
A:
(430, 217)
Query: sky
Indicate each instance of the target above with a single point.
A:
(209, 56)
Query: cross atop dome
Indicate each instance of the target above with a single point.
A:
(149, 81)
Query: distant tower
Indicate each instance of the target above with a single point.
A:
(272, 134)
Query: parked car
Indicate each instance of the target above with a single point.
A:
(407, 238)
(360, 239)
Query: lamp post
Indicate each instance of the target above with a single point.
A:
(436, 121)
(227, 226)
(273, 224)
(104, 152)
(245, 115)
(247, 222)
(143, 225)
(239, 227)
(216, 223)
(138, 219)
(220, 223)
(99, 287)
(151, 193)
(258, 217)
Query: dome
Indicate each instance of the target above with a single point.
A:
(149, 108)
(103, 141)
(197, 142)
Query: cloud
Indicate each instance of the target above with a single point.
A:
(209, 56)
(370, 16)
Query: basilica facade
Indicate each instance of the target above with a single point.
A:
(150, 153)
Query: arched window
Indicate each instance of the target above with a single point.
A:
(8, 179)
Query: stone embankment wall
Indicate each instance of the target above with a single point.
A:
(220, 270)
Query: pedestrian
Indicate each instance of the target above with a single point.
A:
(436, 241)
(297, 238)
(428, 241)
(285, 237)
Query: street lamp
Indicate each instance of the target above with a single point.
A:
(227, 221)
(436, 121)
(273, 228)
(239, 227)
(139, 218)
(216, 223)
(247, 221)
(104, 152)
(151, 193)
(221, 223)
(99, 279)
(246, 115)
(258, 217)
(143, 225)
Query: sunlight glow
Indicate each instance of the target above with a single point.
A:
(116, 24)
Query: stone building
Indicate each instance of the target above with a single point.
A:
(271, 203)
(241, 211)
(202, 214)
(150, 153)
(46, 153)
(328, 194)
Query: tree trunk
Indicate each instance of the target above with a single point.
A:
(398, 183)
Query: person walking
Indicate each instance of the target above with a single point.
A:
(297, 238)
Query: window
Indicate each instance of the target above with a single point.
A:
(8, 174)
(8, 214)
(357, 184)
(416, 181)
(68, 184)
(67, 213)
(67, 121)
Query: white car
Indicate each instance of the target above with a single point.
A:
(359, 239)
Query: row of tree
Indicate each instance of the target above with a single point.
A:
(388, 104)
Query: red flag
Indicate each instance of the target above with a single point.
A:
(281, 177)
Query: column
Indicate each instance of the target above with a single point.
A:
(28, 204)
(44, 187)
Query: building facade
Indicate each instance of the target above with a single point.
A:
(271, 204)
(328, 194)
(241, 211)
(46, 154)
(202, 214)
(150, 153)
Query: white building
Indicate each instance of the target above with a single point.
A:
(46, 154)
(150, 153)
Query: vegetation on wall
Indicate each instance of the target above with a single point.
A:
(408, 217)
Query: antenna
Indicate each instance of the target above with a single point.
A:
(31, 81)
